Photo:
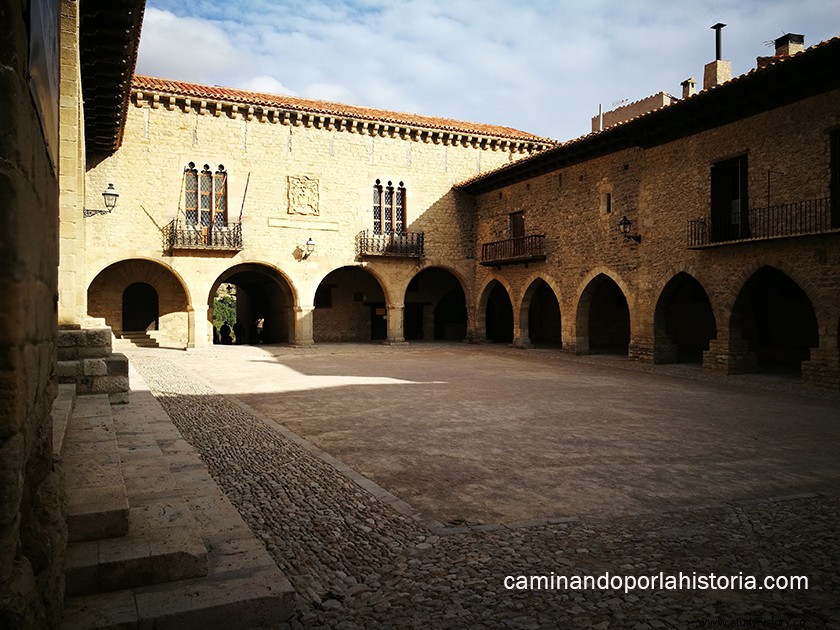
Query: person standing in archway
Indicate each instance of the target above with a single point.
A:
(239, 333)
(260, 325)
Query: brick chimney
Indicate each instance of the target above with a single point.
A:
(789, 44)
(689, 87)
(786, 46)
(718, 71)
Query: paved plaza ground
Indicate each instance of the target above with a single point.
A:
(397, 486)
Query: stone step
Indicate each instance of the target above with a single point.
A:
(97, 505)
(242, 599)
(162, 545)
(62, 410)
(139, 339)
(242, 588)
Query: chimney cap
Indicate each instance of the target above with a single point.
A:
(789, 38)
(718, 25)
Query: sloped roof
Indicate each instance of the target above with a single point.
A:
(326, 108)
(782, 82)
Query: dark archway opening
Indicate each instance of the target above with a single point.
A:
(350, 306)
(451, 316)
(261, 293)
(140, 310)
(776, 317)
(608, 318)
(435, 307)
(544, 316)
(684, 312)
(499, 315)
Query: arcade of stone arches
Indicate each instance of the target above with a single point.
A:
(770, 313)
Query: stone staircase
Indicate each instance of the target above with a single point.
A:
(140, 339)
(153, 541)
(85, 358)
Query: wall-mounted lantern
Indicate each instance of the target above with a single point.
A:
(624, 228)
(309, 247)
(110, 197)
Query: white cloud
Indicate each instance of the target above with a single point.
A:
(538, 65)
(186, 48)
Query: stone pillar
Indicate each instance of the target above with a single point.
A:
(823, 368)
(72, 267)
(521, 336)
(730, 356)
(199, 327)
(641, 349)
(521, 341)
(395, 324)
(475, 328)
(658, 349)
(578, 340)
(303, 326)
(474, 335)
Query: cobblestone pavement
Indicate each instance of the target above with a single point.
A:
(356, 562)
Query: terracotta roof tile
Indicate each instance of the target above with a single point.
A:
(294, 103)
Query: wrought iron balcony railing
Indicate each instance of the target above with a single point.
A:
(522, 249)
(783, 220)
(405, 245)
(178, 236)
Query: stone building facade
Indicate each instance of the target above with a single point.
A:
(322, 215)
(730, 207)
(46, 137)
(344, 223)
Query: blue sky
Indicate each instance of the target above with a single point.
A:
(542, 66)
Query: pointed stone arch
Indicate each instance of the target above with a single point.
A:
(602, 317)
(777, 319)
(540, 317)
(494, 317)
(684, 321)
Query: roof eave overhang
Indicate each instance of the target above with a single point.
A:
(109, 36)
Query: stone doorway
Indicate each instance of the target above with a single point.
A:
(139, 308)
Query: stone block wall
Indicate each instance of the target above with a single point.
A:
(660, 189)
(86, 360)
(273, 155)
(32, 530)
(72, 304)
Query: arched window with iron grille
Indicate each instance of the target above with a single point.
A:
(191, 194)
(389, 208)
